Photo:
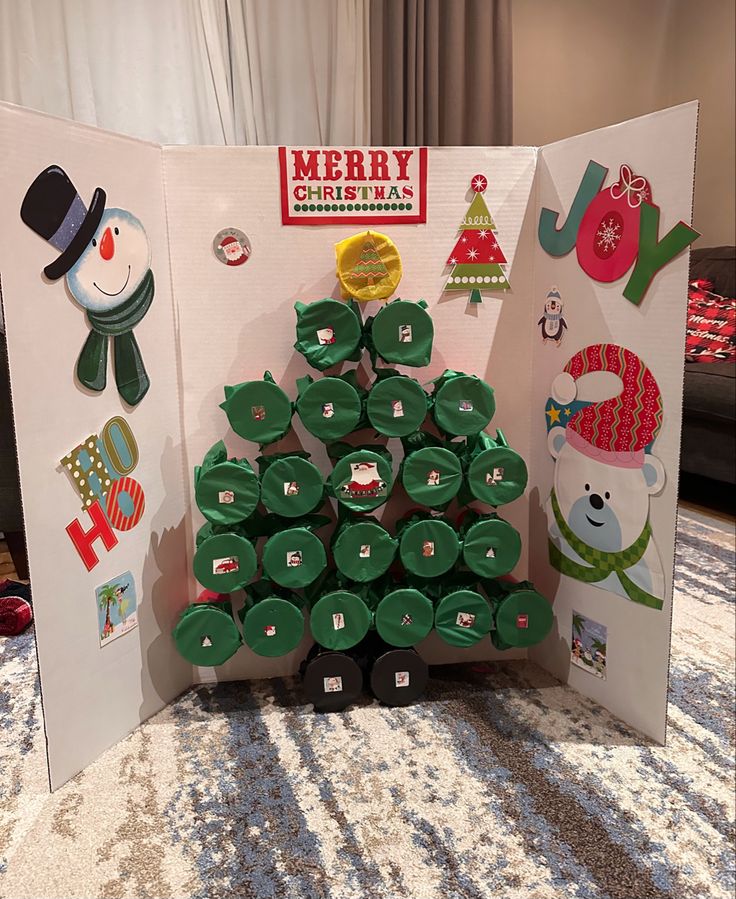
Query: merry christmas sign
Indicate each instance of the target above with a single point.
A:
(334, 186)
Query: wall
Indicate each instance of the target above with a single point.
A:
(583, 64)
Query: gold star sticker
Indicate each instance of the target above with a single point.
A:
(554, 414)
(568, 412)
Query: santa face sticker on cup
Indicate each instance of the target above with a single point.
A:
(231, 246)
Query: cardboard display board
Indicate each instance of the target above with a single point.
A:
(227, 269)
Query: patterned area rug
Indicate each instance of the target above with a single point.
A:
(501, 783)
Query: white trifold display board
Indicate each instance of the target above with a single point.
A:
(211, 324)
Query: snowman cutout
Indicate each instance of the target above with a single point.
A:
(105, 257)
(605, 474)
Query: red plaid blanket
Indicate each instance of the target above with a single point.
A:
(711, 325)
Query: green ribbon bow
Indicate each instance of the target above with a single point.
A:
(601, 562)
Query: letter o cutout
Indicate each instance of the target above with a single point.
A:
(126, 503)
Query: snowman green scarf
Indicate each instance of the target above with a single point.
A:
(601, 563)
(130, 373)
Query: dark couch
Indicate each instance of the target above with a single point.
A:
(709, 408)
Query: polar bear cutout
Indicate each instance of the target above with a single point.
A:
(598, 510)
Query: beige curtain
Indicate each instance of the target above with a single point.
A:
(440, 72)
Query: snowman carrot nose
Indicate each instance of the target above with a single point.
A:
(107, 245)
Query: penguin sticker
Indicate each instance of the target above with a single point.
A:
(105, 258)
(552, 323)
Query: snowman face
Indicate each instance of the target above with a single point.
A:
(114, 263)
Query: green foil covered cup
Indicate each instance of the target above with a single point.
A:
(522, 616)
(206, 634)
(225, 558)
(294, 557)
(404, 616)
(273, 619)
(362, 477)
(291, 486)
(402, 332)
(258, 410)
(462, 617)
(397, 404)
(430, 472)
(462, 404)
(327, 332)
(491, 546)
(225, 490)
(331, 407)
(428, 546)
(339, 618)
(363, 549)
(496, 474)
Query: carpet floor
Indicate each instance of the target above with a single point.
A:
(500, 783)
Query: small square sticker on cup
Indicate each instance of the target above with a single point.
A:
(428, 549)
(405, 335)
(258, 412)
(494, 477)
(465, 619)
(226, 496)
(225, 565)
(291, 488)
(332, 684)
(294, 559)
(397, 407)
(270, 630)
(465, 406)
(522, 621)
(365, 551)
(338, 621)
(326, 336)
(490, 553)
(328, 410)
(401, 678)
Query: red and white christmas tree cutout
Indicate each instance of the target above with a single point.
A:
(477, 260)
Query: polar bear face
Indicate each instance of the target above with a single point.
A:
(605, 505)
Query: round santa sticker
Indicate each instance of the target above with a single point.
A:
(231, 246)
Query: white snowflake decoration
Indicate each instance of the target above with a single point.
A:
(482, 234)
(609, 235)
(472, 253)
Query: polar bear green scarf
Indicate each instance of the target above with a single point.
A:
(601, 562)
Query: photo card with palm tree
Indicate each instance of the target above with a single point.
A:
(117, 608)
(588, 645)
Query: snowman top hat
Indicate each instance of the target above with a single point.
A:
(53, 209)
(615, 431)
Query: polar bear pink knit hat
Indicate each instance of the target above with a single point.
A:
(617, 430)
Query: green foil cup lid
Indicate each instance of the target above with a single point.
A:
(463, 405)
(292, 487)
(491, 547)
(224, 561)
(327, 332)
(206, 635)
(397, 406)
(258, 410)
(273, 626)
(432, 476)
(362, 480)
(523, 618)
(339, 620)
(403, 332)
(462, 618)
(294, 557)
(227, 492)
(429, 547)
(497, 476)
(329, 408)
(364, 550)
(404, 617)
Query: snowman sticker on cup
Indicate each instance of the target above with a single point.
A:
(231, 246)
(104, 254)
